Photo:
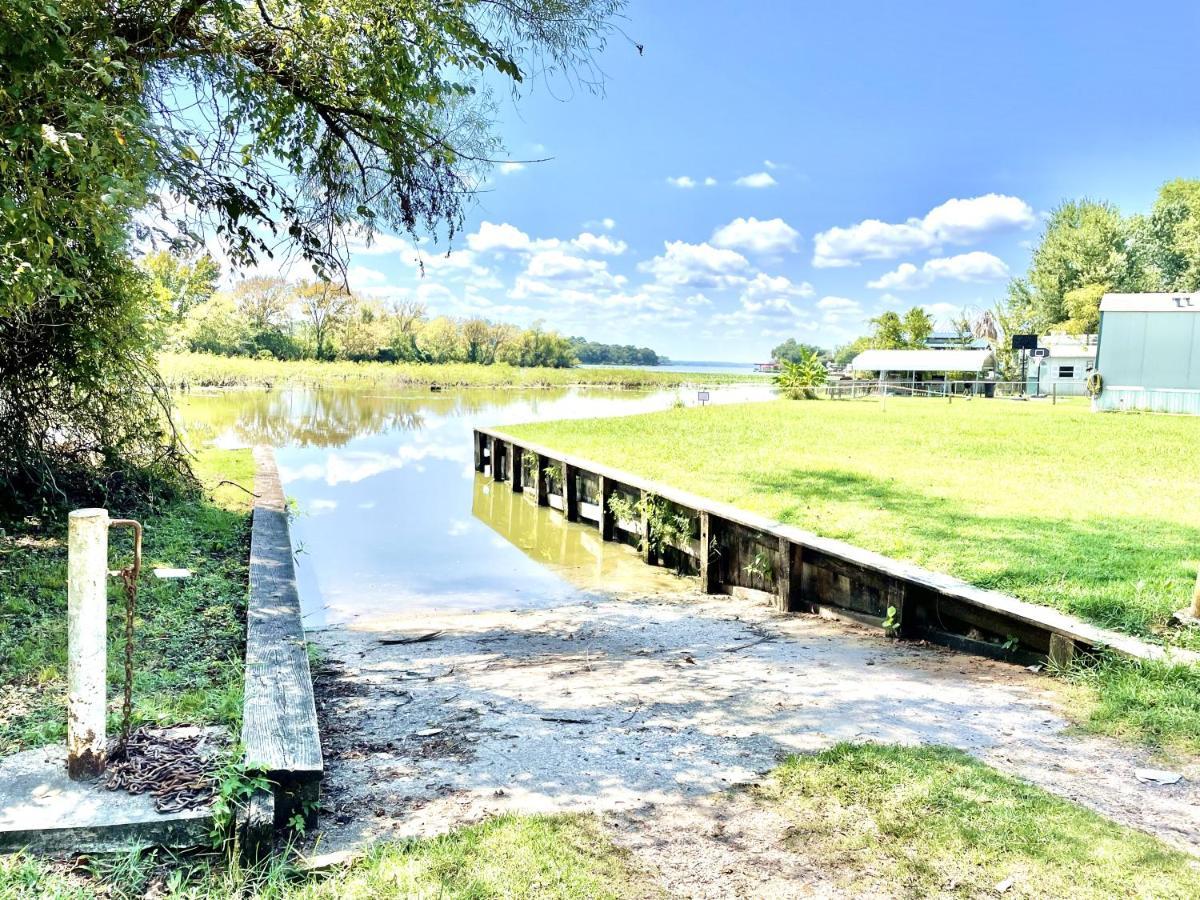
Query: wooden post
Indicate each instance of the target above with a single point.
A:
(1062, 651)
(543, 492)
(710, 569)
(647, 556)
(518, 469)
(606, 517)
(479, 439)
(570, 491)
(87, 642)
(784, 577)
(497, 456)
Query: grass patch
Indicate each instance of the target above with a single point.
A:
(918, 822)
(1088, 513)
(1092, 514)
(508, 856)
(204, 370)
(189, 634)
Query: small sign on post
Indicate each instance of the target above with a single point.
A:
(87, 639)
(702, 396)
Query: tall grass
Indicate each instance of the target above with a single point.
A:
(205, 370)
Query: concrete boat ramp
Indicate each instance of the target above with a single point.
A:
(641, 707)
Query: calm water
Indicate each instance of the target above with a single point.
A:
(390, 516)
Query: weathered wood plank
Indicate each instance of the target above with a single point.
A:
(518, 469)
(874, 569)
(606, 516)
(543, 489)
(279, 719)
(570, 492)
(709, 567)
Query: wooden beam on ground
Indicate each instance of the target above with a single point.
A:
(279, 716)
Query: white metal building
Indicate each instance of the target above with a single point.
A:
(1061, 365)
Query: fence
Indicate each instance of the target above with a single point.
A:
(911, 387)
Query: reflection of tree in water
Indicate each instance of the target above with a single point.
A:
(308, 417)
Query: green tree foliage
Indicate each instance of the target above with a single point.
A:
(1085, 244)
(594, 354)
(792, 351)
(79, 396)
(800, 379)
(181, 283)
(305, 123)
(1171, 236)
(918, 326)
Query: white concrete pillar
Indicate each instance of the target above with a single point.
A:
(87, 640)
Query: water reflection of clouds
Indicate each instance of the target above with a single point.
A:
(359, 465)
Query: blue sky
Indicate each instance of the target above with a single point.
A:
(860, 157)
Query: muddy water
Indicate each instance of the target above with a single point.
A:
(389, 515)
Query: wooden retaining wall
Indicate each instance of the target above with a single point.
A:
(279, 717)
(740, 553)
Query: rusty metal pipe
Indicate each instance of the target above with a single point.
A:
(137, 540)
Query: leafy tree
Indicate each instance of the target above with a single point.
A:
(307, 123)
(918, 326)
(441, 341)
(1171, 236)
(844, 354)
(792, 351)
(264, 302)
(363, 332)
(325, 306)
(1083, 309)
(594, 353)
(888, 332)
(218, 326)
(182, 282)
(800, 379)
(1085, 243)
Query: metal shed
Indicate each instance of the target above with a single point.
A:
(1149, 353)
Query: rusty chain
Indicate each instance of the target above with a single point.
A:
(174, 766)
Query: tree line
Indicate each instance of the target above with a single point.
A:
(273, 318)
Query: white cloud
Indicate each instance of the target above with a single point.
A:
(556, 264)
(492, 237)
(361, 276)
(757, 180)
(601, 243)
(702, 265)
(837, 303)
(953, 222)
(498, 238)
(381, 243)
(962, 221)
(508, 168)
(682, 181)
(710, 181)
(763, 285)
(973, 266)
(770, 165)
(757, 235)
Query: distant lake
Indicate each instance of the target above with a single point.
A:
(699, 366)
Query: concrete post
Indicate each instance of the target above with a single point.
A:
(87, 639)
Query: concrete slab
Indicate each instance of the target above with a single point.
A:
(43, 810)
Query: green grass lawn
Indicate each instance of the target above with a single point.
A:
(923, 822)
(205, 370)
(1096, 515)
(189, 634)
(558, 857)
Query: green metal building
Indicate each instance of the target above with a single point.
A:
(1149, 353)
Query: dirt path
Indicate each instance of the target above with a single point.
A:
(639, 709)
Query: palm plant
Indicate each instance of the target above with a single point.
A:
(799, 380)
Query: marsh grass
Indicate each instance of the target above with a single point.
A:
(204, 370)
(932, 821)
(567, 857)
(1093, 514)
(189, 633)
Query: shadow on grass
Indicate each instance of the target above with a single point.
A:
(1120, 572)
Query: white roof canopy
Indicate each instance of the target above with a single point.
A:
(923, 361)
(1150, 303)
